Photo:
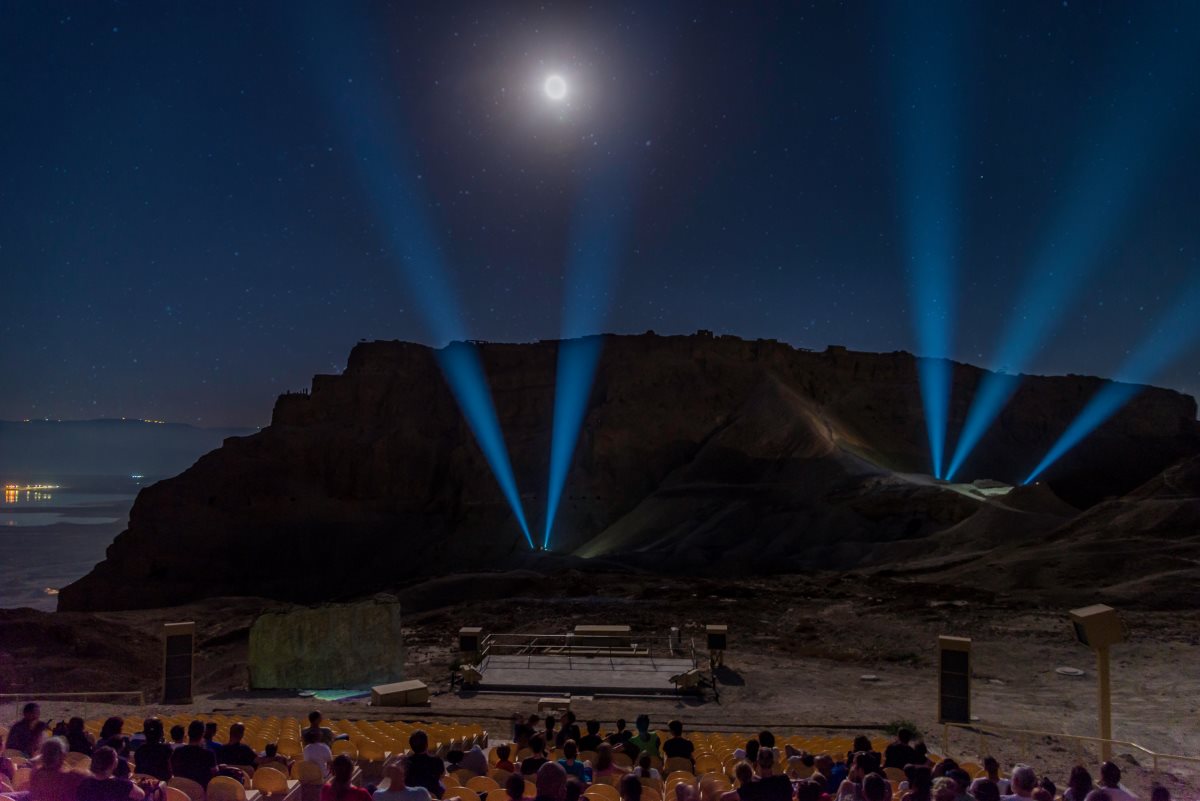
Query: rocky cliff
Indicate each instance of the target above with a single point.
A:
(697, 453)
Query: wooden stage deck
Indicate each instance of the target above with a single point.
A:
(582, 675)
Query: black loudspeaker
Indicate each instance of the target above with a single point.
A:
(179, 642)
(470, 639)
(954, 680)
(718, 638)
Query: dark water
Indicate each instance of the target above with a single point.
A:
(50, 537)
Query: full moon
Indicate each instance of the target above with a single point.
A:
(555, 87)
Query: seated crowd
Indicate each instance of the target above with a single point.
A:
(550, 760)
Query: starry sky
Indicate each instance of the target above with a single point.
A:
(197, 208)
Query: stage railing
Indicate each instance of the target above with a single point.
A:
(585, 646)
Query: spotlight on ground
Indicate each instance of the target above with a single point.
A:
(577, 359)
(1111, 175)
(1171, 338)
(464, 373)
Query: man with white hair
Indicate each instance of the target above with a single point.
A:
(551, 782)
(1024, 780)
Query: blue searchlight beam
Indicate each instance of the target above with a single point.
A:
(1111, 175)
(599, 232)
(1178, 331)
(463, 369)
(384, 160)
(926, 105)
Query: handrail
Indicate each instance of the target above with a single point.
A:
(1155, 756)
(32, 696)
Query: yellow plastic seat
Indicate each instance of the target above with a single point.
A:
(192, 789)
(482, 784)
(464, 793)
(289, 748)
(602, 792)
(269, 781)
(530, 789)
(308, 772)
(346, 747)
(175, 794)
(223, 788)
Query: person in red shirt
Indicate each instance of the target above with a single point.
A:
(339, 788)
(503, 752)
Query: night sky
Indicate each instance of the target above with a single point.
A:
(196, 209)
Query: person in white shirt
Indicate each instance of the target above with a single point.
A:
(992, 768)
(1024, 779)
(316, 751)
(396, 789)
(1110, 782)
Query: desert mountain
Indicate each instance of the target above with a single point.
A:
(697, 453)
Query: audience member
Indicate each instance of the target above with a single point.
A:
(573, 790)
(272, 758)
(899, 753)
(153, 757)
(23, 735)
(533, 763)
(809, 790)
(590, 741)
(1098, 794)
(569, 730)
(551, 782)
(644, 769)
(1078, 785)
(749, 753)
(317, 752)
(743, 774)
(771, 786)
(339, 788)
(51, 781)
(210, 733)
(177, 735)
(991, 767)
(194, 760)
(1024, 779)
(1160, 793)
(920, 783)
(1110, 782)
(571, 764)
(423, 769)
(944, 789)
(514, 787)
(876, 788)
(324, 733)
(79, 739)
(474, 760)
(503, 752)
(834, 772)
(678, 746)
(235, 752)
(397, 788)
(604, 763)
(102, 785)
(621, 735)
(988, 791)
(630, 788)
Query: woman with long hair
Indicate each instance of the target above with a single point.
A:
(339, 788)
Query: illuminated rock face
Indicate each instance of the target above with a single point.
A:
(697, 453)
(344, 646)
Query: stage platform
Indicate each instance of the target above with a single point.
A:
(581, 675)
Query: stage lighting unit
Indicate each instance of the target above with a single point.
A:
(470, 639)
(1099, 627)
(954, 679)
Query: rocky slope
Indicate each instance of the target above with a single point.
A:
(697, 454)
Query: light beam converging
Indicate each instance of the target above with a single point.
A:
(600, 230)
(1178, 331)
(1111, 174)
(383, 160)
(927, 110)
